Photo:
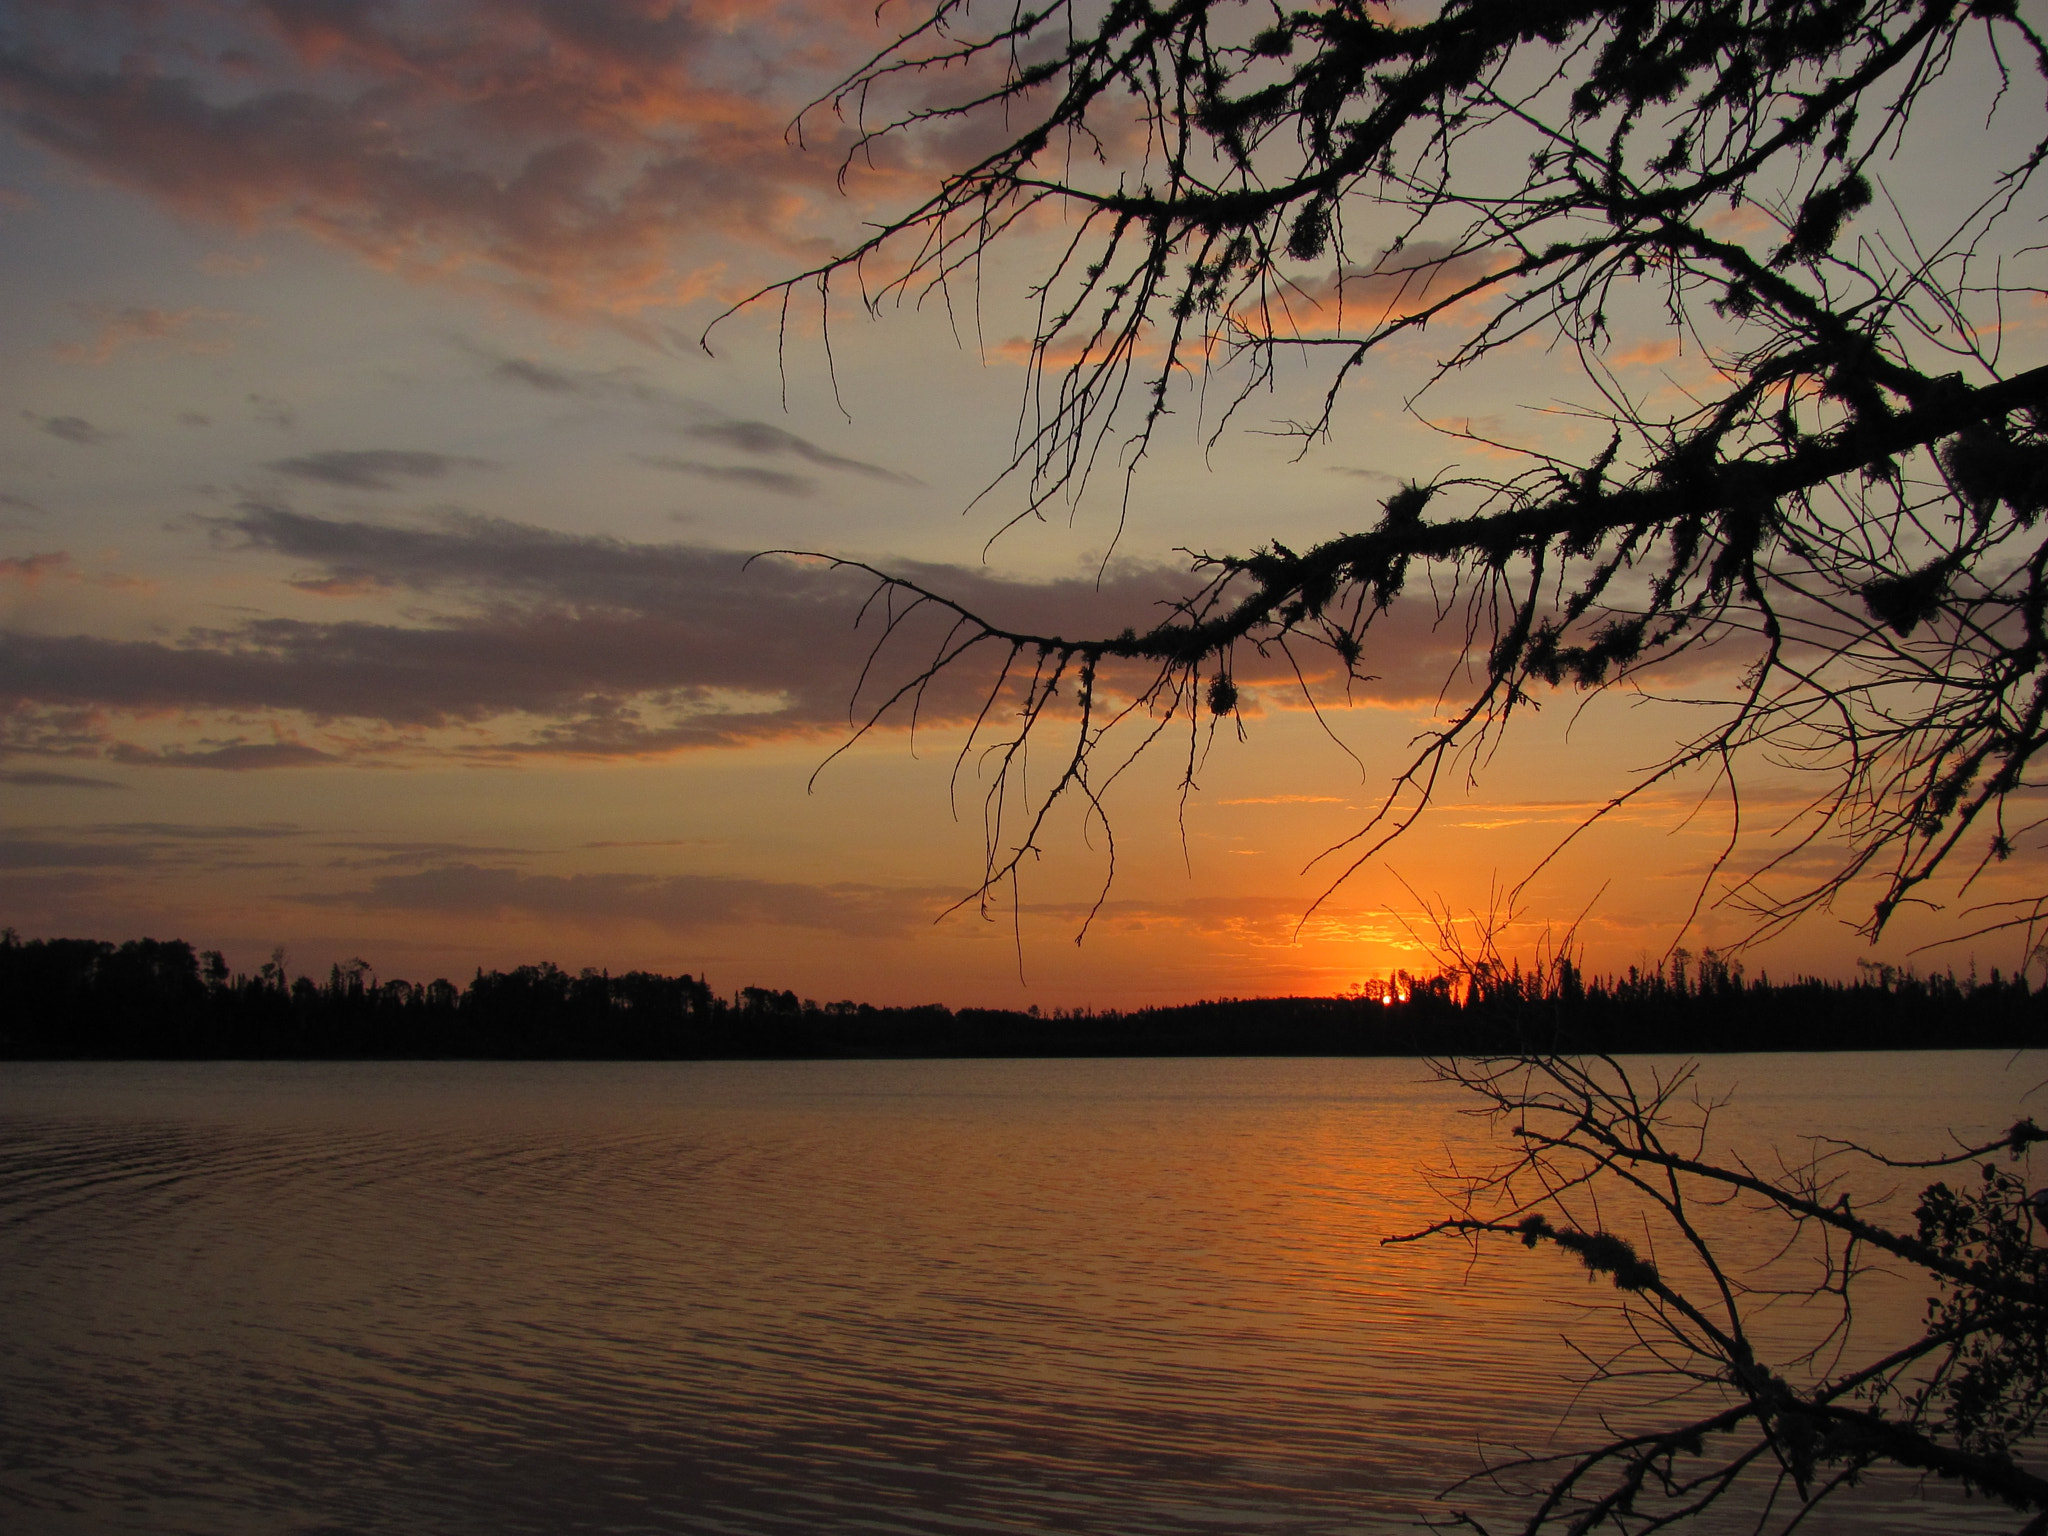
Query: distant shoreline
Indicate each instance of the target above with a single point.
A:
(158, 1000)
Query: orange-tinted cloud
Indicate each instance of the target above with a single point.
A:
(192, 330)
(577, 153)
(32, 570)
(1648, 354)
(1286, 800)
(1743, 222)
(227, 264)
(1398, 284)
(1068, 350)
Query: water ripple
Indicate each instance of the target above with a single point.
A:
(915, 1298)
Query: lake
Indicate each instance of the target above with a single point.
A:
(1126, 1296)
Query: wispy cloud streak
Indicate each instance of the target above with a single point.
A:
(531, 640)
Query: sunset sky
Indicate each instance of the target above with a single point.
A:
(372, 527)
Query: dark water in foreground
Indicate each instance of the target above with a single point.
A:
(943, 1297)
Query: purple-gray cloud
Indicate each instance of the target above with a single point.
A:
(42, 778)
(49, 853)
(71, 429)
(372, 469)
(577, 644)
(523, 370)
(769, 441)
(10, 504)
(735, 474)
(620, 383)
(203, 832)
(273, 412)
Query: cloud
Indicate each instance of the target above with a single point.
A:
(675, 902)
(204, 832)
(356, 854)
(78, 899)
(115, 847)
(1287, 800)
(554, 379)
(1648, 354)
(566, 155)
(766, 439)
(10, 503)
(1399, 283)
(1255, 921)
(43, 853)
(653, 842)
(72, 429)
(196, 330)
(372, 469)
(234, 757)
(43, 778)
(557, 643)
(610, 159)
(273, 413)
(758, 439)
(228, 264)
(522, 640)
(523, 370)
(1067, 350)
(30, 570)
(735, 474)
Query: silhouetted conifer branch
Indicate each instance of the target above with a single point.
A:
(1962, 1396)
(1848, 503)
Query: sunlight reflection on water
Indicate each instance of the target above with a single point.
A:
(1101, 1296)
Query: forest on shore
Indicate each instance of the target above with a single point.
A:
(87, 999)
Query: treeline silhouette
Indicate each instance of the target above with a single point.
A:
(73, 999)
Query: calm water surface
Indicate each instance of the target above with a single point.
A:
(931, 1297)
